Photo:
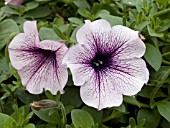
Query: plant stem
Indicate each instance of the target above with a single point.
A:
(157, 88)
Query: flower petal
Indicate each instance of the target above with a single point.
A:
(21, 51)
(51, 45)
(46, 72)
(125, 43)
(78, 59)
(128, 76)
(99, 92)
(105, 87)
(87, 33)
(16, 3)
(134, 67)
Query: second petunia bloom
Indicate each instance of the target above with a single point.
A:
(107, 63)
(39, 63)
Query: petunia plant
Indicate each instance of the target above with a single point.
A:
(84, 64)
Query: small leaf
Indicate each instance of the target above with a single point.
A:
(113, 20)
(59, 33)
(153, 33)
(71, 97)
(142, 25)
(75, 20)
(39, 12)
(97, 115)
(9, 10)
(50, 36)
(152, 117)
(131, 100)
(84, 13)
(164, 109)
(7, 27)
(49, 115)
(6, 121)
(30, 6)
(162, 1)
(5, 72)
(81, 118)
(30, 125)
(153, 56)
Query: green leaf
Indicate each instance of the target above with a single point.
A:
(20, 114)
(30, 125)
(162, 1)
(6, 121)
(49, 115)
(146, 92)
(75, 20)
(81, 118)
(30, 6)
(113, 20)
(71, 97)
(39, 12)
(142, 25)
(59, 33)
(84, 13)
(131, 100)
(153, 56)
(97, 115)
(5, 72)
(7, 27)
(164, 109)
(152, 117)
(152, 32)
(50, 36)
(9, 10)
(26, 97)
(82, 4)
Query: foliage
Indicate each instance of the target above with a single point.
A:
(150, 108)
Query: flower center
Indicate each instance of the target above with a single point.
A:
(100, 62)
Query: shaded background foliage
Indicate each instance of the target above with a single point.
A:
(59, 20)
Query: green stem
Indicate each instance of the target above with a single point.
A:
(63, 112)
(166, 54)
(114, 114)
(166, 62)
(144, 105)
(157, 88)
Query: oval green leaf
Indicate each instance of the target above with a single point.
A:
(6, 121)
(81, 118)
(153, 56)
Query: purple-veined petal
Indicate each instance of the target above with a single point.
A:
(78, 59)
(21, 51)
(90, 30)
(47, 71)
(134, 67)
(125, 43)
(39, 64)
(105, 87)
(99, 92)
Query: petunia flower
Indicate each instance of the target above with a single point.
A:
(16, 3)
(39, 63)
(107, 63)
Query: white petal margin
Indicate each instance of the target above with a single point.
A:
(90, 30)
(78, 59)
(23, 44)
(99, 92)
(126, 43)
